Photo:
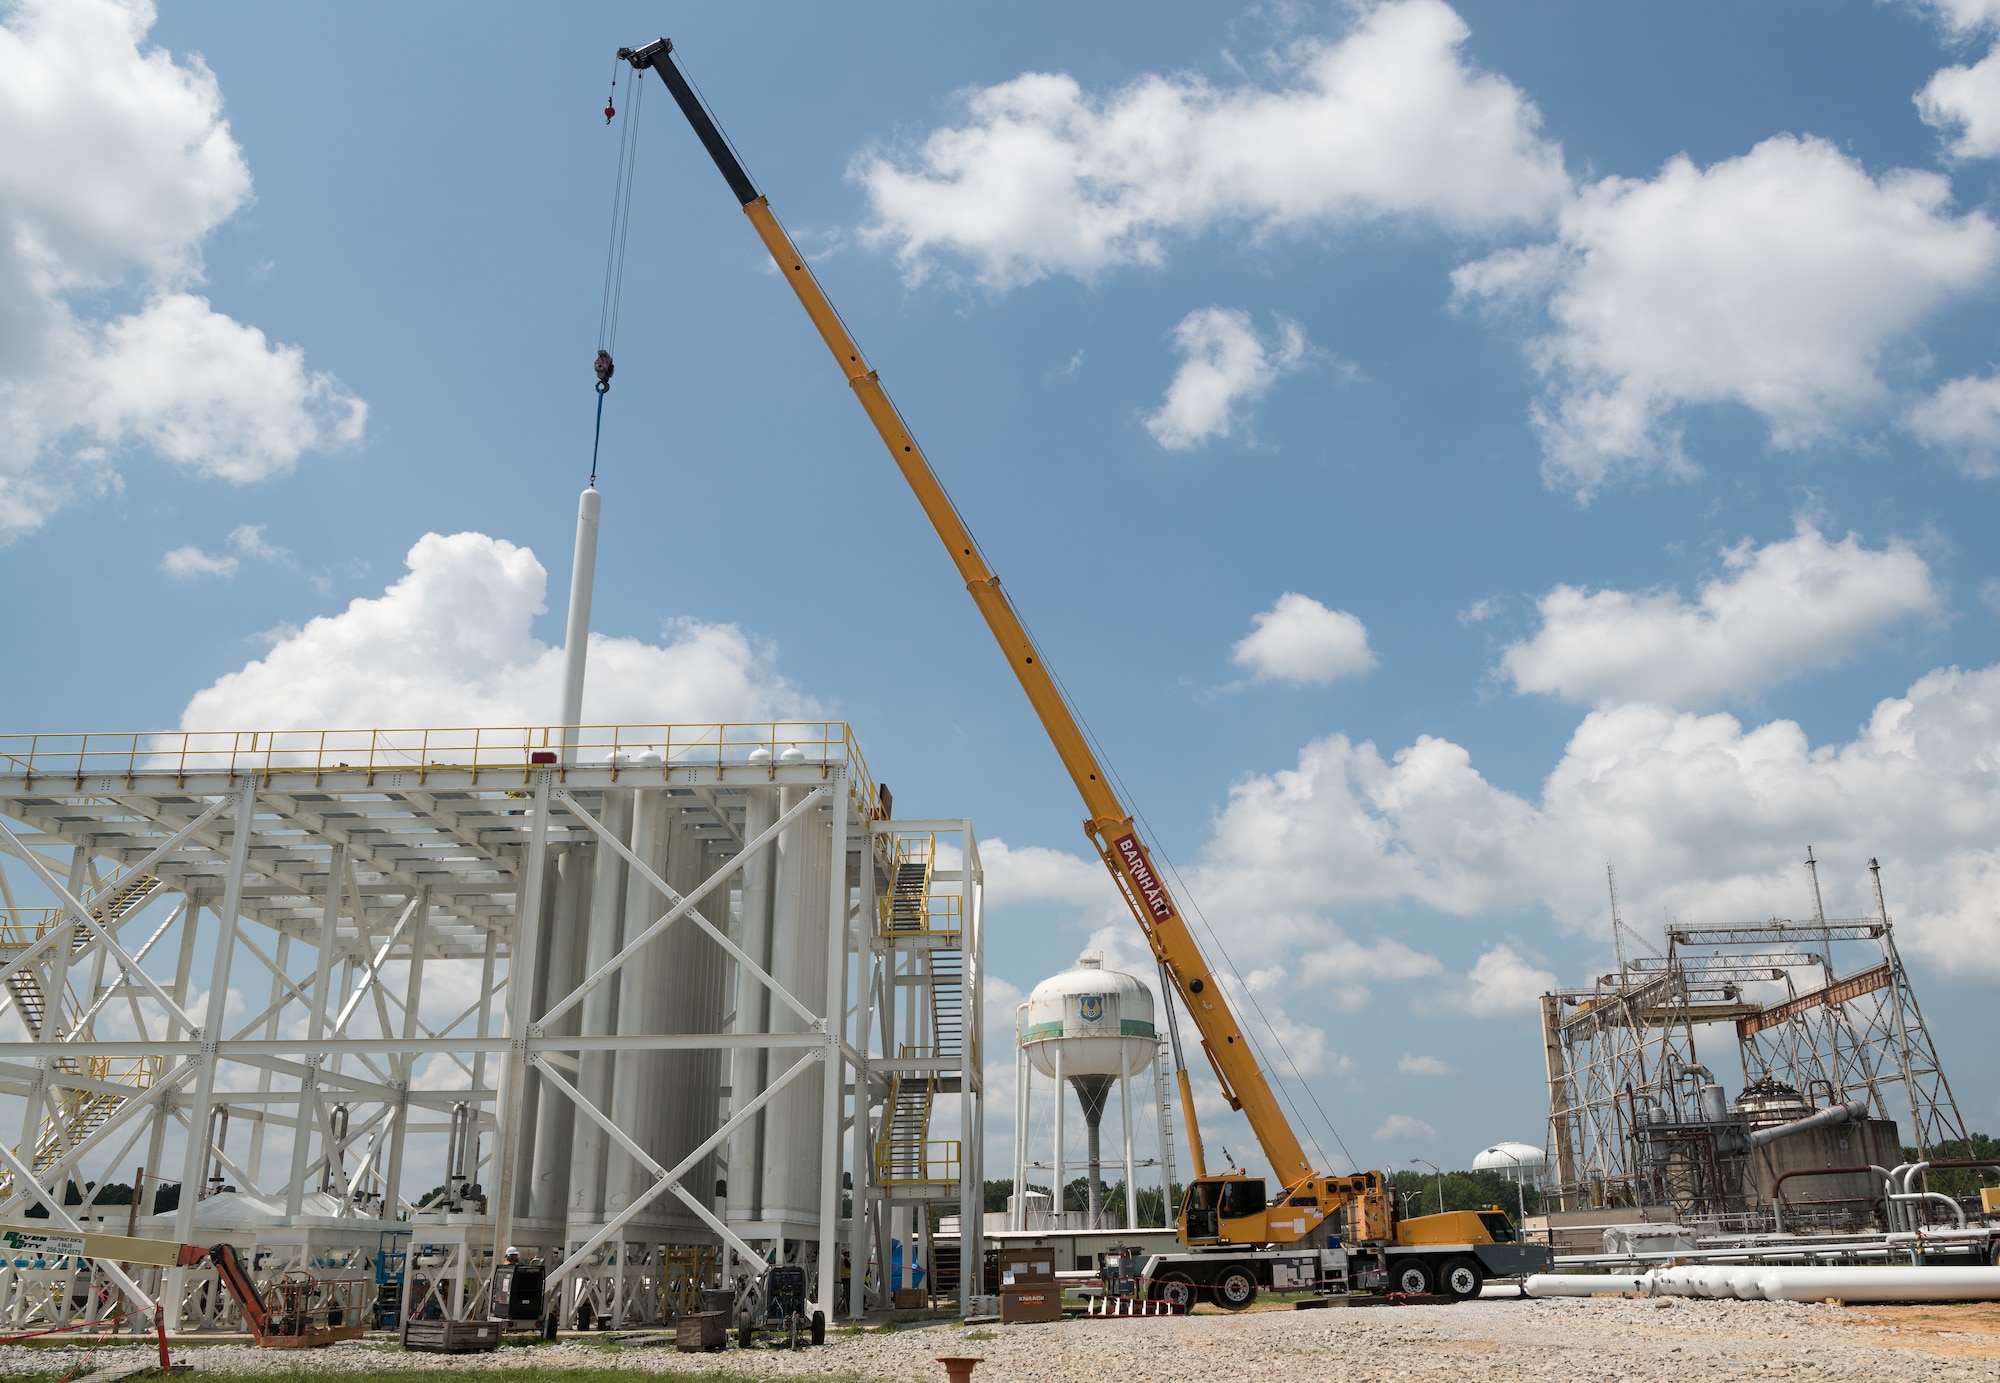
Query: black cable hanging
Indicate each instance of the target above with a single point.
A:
(614, 254)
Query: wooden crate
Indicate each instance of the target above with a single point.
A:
(910, 1299)
(452, 1337)
(699, 1331)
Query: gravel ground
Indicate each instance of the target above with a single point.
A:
(1568, 1341)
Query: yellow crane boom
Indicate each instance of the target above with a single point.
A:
(1108, 824)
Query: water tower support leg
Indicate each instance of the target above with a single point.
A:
(1056, 1162)
(1125, 1127)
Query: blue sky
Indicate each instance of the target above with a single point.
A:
(1625, 373)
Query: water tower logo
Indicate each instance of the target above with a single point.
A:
(1090, 1007)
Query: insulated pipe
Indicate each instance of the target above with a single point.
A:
(1891, 1186)
(1913, 1196)
(1835, 1114)
(1586, 1284)
(576, 638)
(1881, 1284)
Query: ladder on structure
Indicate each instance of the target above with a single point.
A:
(1164, 1091)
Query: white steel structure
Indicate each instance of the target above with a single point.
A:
(292, 963)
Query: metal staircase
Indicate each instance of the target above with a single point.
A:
(900, 1154)
(906, 909)
(79, 1113)
(925, 924)
(948, 1003)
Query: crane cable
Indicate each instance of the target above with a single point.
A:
(1185, 895)
(614, 254)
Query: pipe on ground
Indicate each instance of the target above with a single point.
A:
(1763, 1282)
(1881, 1284)
(1586, 1284)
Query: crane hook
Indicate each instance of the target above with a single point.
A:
(610, 112)
(604, 368)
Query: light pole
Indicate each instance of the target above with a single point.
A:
(1418, 1161)
(1520, 1191)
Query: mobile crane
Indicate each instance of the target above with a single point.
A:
(1318, 1229)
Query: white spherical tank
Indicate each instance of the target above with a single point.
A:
(1101, 1020)
(1514, 1159)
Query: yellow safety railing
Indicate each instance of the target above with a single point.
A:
(941, 912)
(513, 751)
(938, 1162)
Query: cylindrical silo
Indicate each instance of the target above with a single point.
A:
(636, 1092)
(565, 934)
(694, 977)
(599, 1008)
(752, 1068)
(791, 1159)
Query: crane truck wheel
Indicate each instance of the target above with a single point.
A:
(1460, 1279)
(1177, 1290)
(1411, 1277)
(1235, 1289)
(819, 1324)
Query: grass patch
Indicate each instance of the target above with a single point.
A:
(707, 1373)
(979, 1335)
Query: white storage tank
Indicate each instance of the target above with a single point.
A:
(1089, 1028)
(1099, 1021)
(1515, 1161)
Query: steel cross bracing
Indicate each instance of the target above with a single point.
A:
(1858, 1033)
(1605, 1042)
(1813, 1017)
(333, 886)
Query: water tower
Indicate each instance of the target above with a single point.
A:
(1089, 1028)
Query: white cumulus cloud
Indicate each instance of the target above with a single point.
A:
(248, 539)
(1299, 640)
(1962, 417)
(1224, 365)
(1776, 280)
(450, 644)
(1963, 100)
(1503, 983)
(1388, 121)
(1404, 1128)
(185, 563)
(1705, 816)
(1415, 1065)
(118, 164)
(1774, 613)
